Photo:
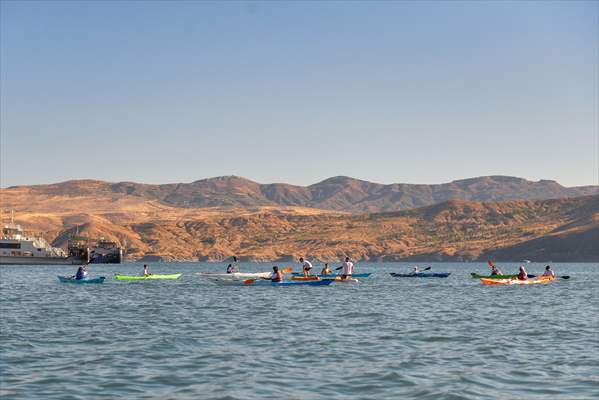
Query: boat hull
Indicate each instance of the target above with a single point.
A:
(143, 278)
(421, 275)
(65, 279)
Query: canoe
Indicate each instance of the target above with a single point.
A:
(142, 278)
(235, 275)
(316, 279)
(365, 275)
(515, 281)
(421, 275)
(66, 279)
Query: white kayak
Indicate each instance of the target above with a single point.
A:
(235, 275)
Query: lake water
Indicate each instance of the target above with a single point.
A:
(384, 338)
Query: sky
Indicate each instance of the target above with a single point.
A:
(296, 92)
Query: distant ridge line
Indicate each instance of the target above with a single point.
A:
(340, 193)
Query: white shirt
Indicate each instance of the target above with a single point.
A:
(348, 268)
(549, 273)
(306, 264)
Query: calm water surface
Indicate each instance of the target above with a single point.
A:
(384, 338)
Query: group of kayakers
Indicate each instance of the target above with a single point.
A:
(522, 274)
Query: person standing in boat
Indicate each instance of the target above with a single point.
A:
(146, 270)
(348, 269)
(306, 266)
(522, 275)
(277, 275)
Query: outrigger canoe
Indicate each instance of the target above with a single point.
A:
(142, 278)
(66, 279)
(421, 275)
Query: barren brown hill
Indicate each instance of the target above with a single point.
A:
(338, 193)
(454, 230)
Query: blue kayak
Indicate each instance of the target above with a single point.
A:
(287, 283)
(335, 275)
(65, 279)
(421, 275)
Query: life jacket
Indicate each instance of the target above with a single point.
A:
(277, 277)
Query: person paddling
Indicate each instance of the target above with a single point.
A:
(231, 269)
(326, 270)
(522, 275)
(306, 266)
(277, 275)
(495, 270)
(416, 270)
(549, 271)
(81, 273)
(348, 269)
(146, 270)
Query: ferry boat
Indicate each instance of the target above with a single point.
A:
(18, 248)
(106, 252)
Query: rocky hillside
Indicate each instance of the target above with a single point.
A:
(558, 229)
(338, 193)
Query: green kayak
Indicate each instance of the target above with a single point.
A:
(477, 276)
(141, 278)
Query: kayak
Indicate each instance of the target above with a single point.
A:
(328, 276)
(421, 275)
(477, 276)
(235, 275)
(66, 279)
(142, 278)
(289, 283)
(317, 279)
(516, 281)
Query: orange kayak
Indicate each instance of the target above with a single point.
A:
(539, 281)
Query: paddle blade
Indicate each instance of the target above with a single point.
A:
(490, 263)
(287, 270)
(565, 277)
(427, 268)
(249, 281)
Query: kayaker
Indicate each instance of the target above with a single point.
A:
(306, 266)
(277, 275)
(416, 270)
(326, 270)
(522, 275)
(146, 271)
(495, 270)
(81, 273)
(348, 269)
(548, 271)
(232, 269)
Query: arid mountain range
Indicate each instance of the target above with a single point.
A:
(500, 217)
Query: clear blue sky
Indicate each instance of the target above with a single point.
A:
(420, 92)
